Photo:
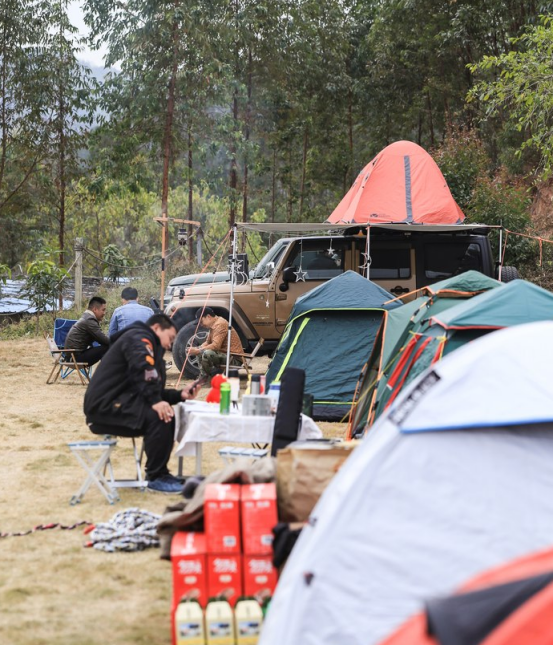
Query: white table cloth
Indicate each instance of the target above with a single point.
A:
(197, 422)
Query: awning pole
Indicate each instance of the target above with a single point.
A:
(233, 274)
(500, 231)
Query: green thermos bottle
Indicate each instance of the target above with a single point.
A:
(225, 400)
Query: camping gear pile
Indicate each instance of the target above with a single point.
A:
(229, 560)
(455, 477)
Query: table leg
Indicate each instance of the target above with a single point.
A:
(198, 446)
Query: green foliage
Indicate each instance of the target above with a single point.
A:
(520, 83)
(293, 97)
(5, 273)
(116, 263)
(499, 202)
(44, 283)
(462, 159)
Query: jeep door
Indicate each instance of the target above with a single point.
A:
(313, 261)
(392, 264)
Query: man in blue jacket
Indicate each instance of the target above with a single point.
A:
(129, 312)
(127, 396)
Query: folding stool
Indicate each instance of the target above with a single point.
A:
(96, 470)
(83, 451)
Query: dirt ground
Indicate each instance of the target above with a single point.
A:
(52, 589)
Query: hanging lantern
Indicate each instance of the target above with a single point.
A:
(182, 236)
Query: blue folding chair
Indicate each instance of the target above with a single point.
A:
(61, 329)
(66, 362)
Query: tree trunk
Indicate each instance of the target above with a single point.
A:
(3, 99)
(167, 148)
(190, 211)
(61, 176)
(303, 176)
(273, 184)
(351, 135)
(289, 201)
(430, 115)
(246, 139)
(168, 128)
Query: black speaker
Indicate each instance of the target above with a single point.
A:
(289, 409)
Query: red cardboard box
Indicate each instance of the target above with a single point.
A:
(221, 518)
(188, 559)
(225, 576)
(259, 516)
(260, 576)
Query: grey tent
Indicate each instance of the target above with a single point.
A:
(329, 334)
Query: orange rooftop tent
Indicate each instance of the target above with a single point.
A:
(401, 184)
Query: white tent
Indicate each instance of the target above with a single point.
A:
(420, 507)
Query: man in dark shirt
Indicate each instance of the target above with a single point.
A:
(127, 396)
(87, 330)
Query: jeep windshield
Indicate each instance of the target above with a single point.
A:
(264, 268)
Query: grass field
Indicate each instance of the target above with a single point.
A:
(52, 589)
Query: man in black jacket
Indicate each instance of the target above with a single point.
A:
(86, 331)
(127, 396)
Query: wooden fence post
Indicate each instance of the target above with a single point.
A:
(79, 245)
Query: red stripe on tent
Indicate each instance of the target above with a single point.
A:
(403, 360)
(403, 379)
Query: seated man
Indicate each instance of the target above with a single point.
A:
(127, 396)
(87, 330)
(214, 349)
(129, 312)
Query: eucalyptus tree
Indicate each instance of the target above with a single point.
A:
(70, 108)
(24, 116)
(163, 60)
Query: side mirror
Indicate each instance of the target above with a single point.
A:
(289, 274)
(155, 306)
(181, 294)
(284, 286)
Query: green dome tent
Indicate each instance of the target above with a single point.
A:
(515, 303)
(398, 328)
(329, 334)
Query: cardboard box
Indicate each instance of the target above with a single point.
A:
(188, 559)
(258, 517)
(225, 576)
(259, 575)
(221, 518)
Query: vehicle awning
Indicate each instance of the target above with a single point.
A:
(326, 227)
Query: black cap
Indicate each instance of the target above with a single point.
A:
(203, 311)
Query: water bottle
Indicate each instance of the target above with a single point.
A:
(255, 384)
(274, 391)
(234, 382)
(225, 400)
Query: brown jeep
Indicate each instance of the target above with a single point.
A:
(401, 261)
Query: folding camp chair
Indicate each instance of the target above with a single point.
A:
(246, 359)
(100, 469)
(61, 329)
(65, 363)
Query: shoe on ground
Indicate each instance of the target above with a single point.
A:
(165, 484)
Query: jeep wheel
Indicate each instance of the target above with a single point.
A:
(187, 337)
(507, 274)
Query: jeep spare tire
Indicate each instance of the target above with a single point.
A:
(189, 336)
(507, 274)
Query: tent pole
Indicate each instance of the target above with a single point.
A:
(233, 274)
(500, 231)
(368, 253)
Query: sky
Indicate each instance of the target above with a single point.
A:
(93, 58)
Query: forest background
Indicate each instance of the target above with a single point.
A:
(261, 110)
